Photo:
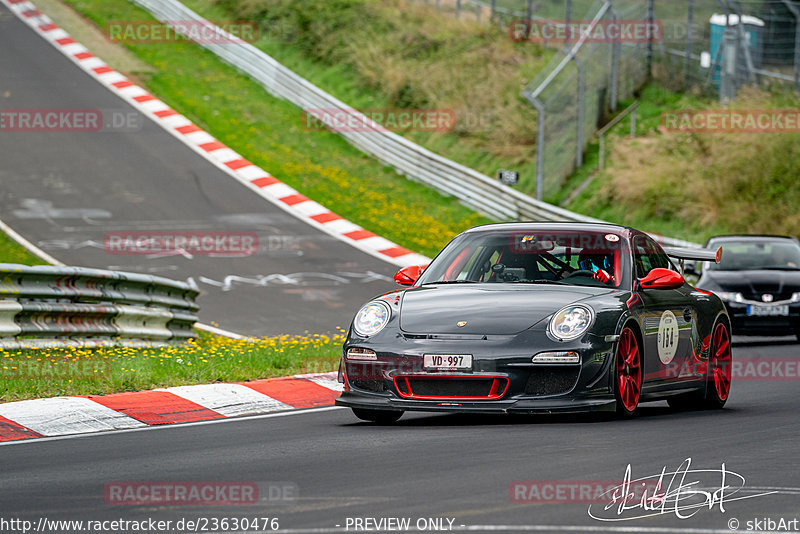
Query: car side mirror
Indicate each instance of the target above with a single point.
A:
(660, 278)
(407, 276)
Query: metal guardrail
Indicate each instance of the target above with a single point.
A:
(52, 306)
(473, 189)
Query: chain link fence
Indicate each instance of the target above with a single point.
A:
(715, 46)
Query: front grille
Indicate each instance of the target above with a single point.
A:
(376, 386)
(757, 296)
(551, 380)
(450, 387)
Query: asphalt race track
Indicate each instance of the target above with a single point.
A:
(457, 467)
(64, 191)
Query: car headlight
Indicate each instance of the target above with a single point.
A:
(795, 297)
(730, 296)
(571, 322)
(371, 319)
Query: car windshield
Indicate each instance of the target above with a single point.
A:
(752, 255)
(530, 257)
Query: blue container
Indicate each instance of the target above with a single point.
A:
(753, 34)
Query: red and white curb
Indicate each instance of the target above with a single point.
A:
(233, 164)
(61, 416)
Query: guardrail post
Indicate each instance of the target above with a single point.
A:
(650, 20)
(615, 55)
(579, 136)
(728, 75)
(688, 58)
(796, 12)
(541, 116)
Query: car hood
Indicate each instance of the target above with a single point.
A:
(753, 284)
(486, 308)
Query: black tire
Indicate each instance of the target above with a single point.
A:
(381, 417)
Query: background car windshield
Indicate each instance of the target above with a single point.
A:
(529, 257)
(751, 255)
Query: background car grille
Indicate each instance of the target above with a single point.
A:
(452, 387)
(551, 380)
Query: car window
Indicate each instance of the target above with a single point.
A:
(566, 257)
(757, 254)
(648, 256)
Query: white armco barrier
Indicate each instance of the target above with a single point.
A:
(48, 306)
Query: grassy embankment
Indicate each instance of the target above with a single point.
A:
(680, 184)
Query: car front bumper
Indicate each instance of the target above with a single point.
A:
(353, 399)
(745, 324)
(502, 379)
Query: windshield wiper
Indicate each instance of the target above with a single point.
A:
(545, 281)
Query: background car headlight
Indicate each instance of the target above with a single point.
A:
(371, 319)
(571, 322)
(730, 296)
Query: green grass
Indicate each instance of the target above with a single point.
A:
(694, 185)
(13, 252)
(402, 54)
(34, 373)
(272, 133)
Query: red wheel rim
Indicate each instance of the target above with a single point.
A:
(629, 370)
(721, 361)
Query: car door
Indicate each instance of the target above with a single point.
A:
(669, 321)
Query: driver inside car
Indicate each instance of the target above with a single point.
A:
(600, 264)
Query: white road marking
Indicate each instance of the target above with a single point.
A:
(229, 399)
(60, 416)
(327, 380)
(173, 426)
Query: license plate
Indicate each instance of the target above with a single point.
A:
(768, 311)
(447, 362)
